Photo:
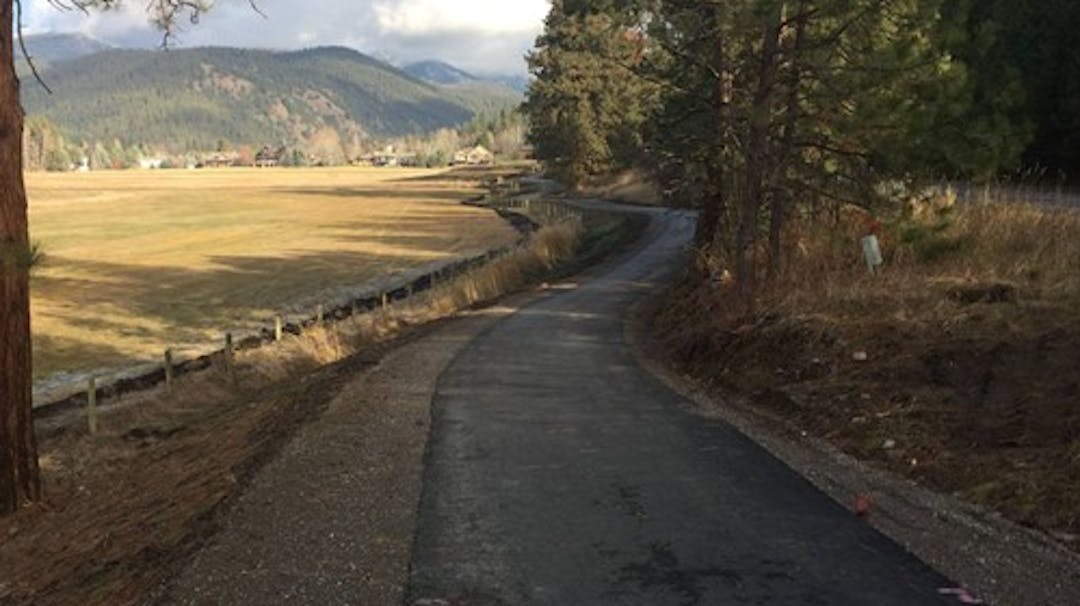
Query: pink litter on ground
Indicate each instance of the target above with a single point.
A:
(962, 595)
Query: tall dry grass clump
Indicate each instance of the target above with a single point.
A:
(549, 247)
(1025, 251)
(1026, 244)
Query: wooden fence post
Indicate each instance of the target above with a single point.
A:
(91, 407)
(278, 328)
(168, 370)
(230, 365)
(319, 313)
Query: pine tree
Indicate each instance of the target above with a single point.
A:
(585, 105)
(772, 102)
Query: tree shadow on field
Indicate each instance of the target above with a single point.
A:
(475, 174)
(53, 353)
(361, 194)
(416, 233)
(184, 305)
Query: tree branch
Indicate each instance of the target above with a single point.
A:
(23, 49)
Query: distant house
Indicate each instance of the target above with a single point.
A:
(269, 158)
(221, 159)
(390, 159)
(474, 156)
(384, 159)
(149, 163)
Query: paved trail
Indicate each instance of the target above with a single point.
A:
(560, 473)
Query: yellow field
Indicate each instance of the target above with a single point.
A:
(138, 261)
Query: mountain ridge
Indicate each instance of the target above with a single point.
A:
(197, 97)
(55, 47)
(438, 72)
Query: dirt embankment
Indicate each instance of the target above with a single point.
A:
(986, 407)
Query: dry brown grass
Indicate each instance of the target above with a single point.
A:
(138, 261)
(1025, 244)
(1029, 248)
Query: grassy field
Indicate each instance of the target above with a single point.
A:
(140, 261)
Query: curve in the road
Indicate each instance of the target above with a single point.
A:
(558, 472)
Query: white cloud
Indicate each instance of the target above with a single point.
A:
(421, 17)
(42, 17)
(485, 36)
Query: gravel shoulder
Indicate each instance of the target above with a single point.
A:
(331, 519)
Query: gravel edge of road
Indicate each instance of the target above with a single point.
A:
(384, 412)
(1001, 562)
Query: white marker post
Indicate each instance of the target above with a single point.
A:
(872, 253)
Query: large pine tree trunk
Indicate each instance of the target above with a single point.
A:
(19, 482)
(716, 204)
(757, 155)
(782, 196)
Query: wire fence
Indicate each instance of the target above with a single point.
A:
(525, 216)
(1059, 196)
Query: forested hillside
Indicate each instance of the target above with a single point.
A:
(199, 99)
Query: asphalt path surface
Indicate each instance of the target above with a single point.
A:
(559, 472)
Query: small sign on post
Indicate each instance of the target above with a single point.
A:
(872, 253)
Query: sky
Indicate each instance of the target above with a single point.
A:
(482, 36)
